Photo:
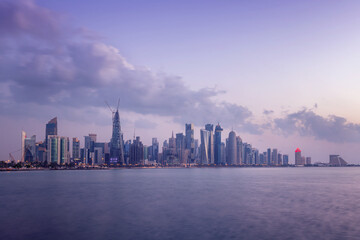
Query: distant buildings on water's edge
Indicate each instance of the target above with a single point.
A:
(178, 150)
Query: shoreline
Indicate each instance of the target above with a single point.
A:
(159, 167)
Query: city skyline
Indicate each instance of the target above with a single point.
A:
(297, 88)
(180, 151)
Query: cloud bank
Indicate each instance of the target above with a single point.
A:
(45, 62)
(307, 123)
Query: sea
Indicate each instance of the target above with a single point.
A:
(181, 203)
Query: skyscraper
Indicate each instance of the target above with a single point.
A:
(23, 136)
(239, 148)
(285, 159)
(231, 148)
(223, 154)
(180, 148)
(136, 152)
(116, 143)
(256, 156)
(274, 157)
(76, 149)
(279, 159)
(30, 149)
(268, 156)
(210, 128)
(58, 149)
(89, 151)
(247, 153)
(51, 129)
(190, 144)
(204, 146)
(217, 144)
(172, 141)
(298, 158)
(155, 150)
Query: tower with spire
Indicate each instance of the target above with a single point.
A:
(116, 143)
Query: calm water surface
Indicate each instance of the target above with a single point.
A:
(224, 203)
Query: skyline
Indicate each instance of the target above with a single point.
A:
(291, 87)
(183, 150)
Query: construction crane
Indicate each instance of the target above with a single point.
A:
(12, 159)
(113, 111)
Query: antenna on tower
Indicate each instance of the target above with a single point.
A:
(118, 104)
(134, 133)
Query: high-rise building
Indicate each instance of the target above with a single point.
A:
(180, 141)
(217, 144)
(99, 153)
(274, 157)
(165, 144)
(99, 157)
(204, 146)
(298, 158)
(76, 149)
(308, 160)
(210, 128)
(231, 148)
(303, 160)
(127, 146)
(155, 150)
(51, 129)
(182, 153)
(196, 149)
(190, 143)
(265, 158)
(255, 154)
(248, 154)
(239, 149)
(40, 152)
(269, 156)
(89, 151)
(23, 136)
(146, 154)
(285, 159)
(172, 141)
(30, 149)
(116, 143)
(337, 161)
(223, 154)
(279, 159)
(58, 149)
(137, 152)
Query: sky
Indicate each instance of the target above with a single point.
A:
(281, 74)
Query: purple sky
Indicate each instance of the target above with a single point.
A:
(283, 74)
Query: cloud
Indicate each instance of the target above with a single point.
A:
(307, 123)
(45, 63)
(22, 18)
(268, 112)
